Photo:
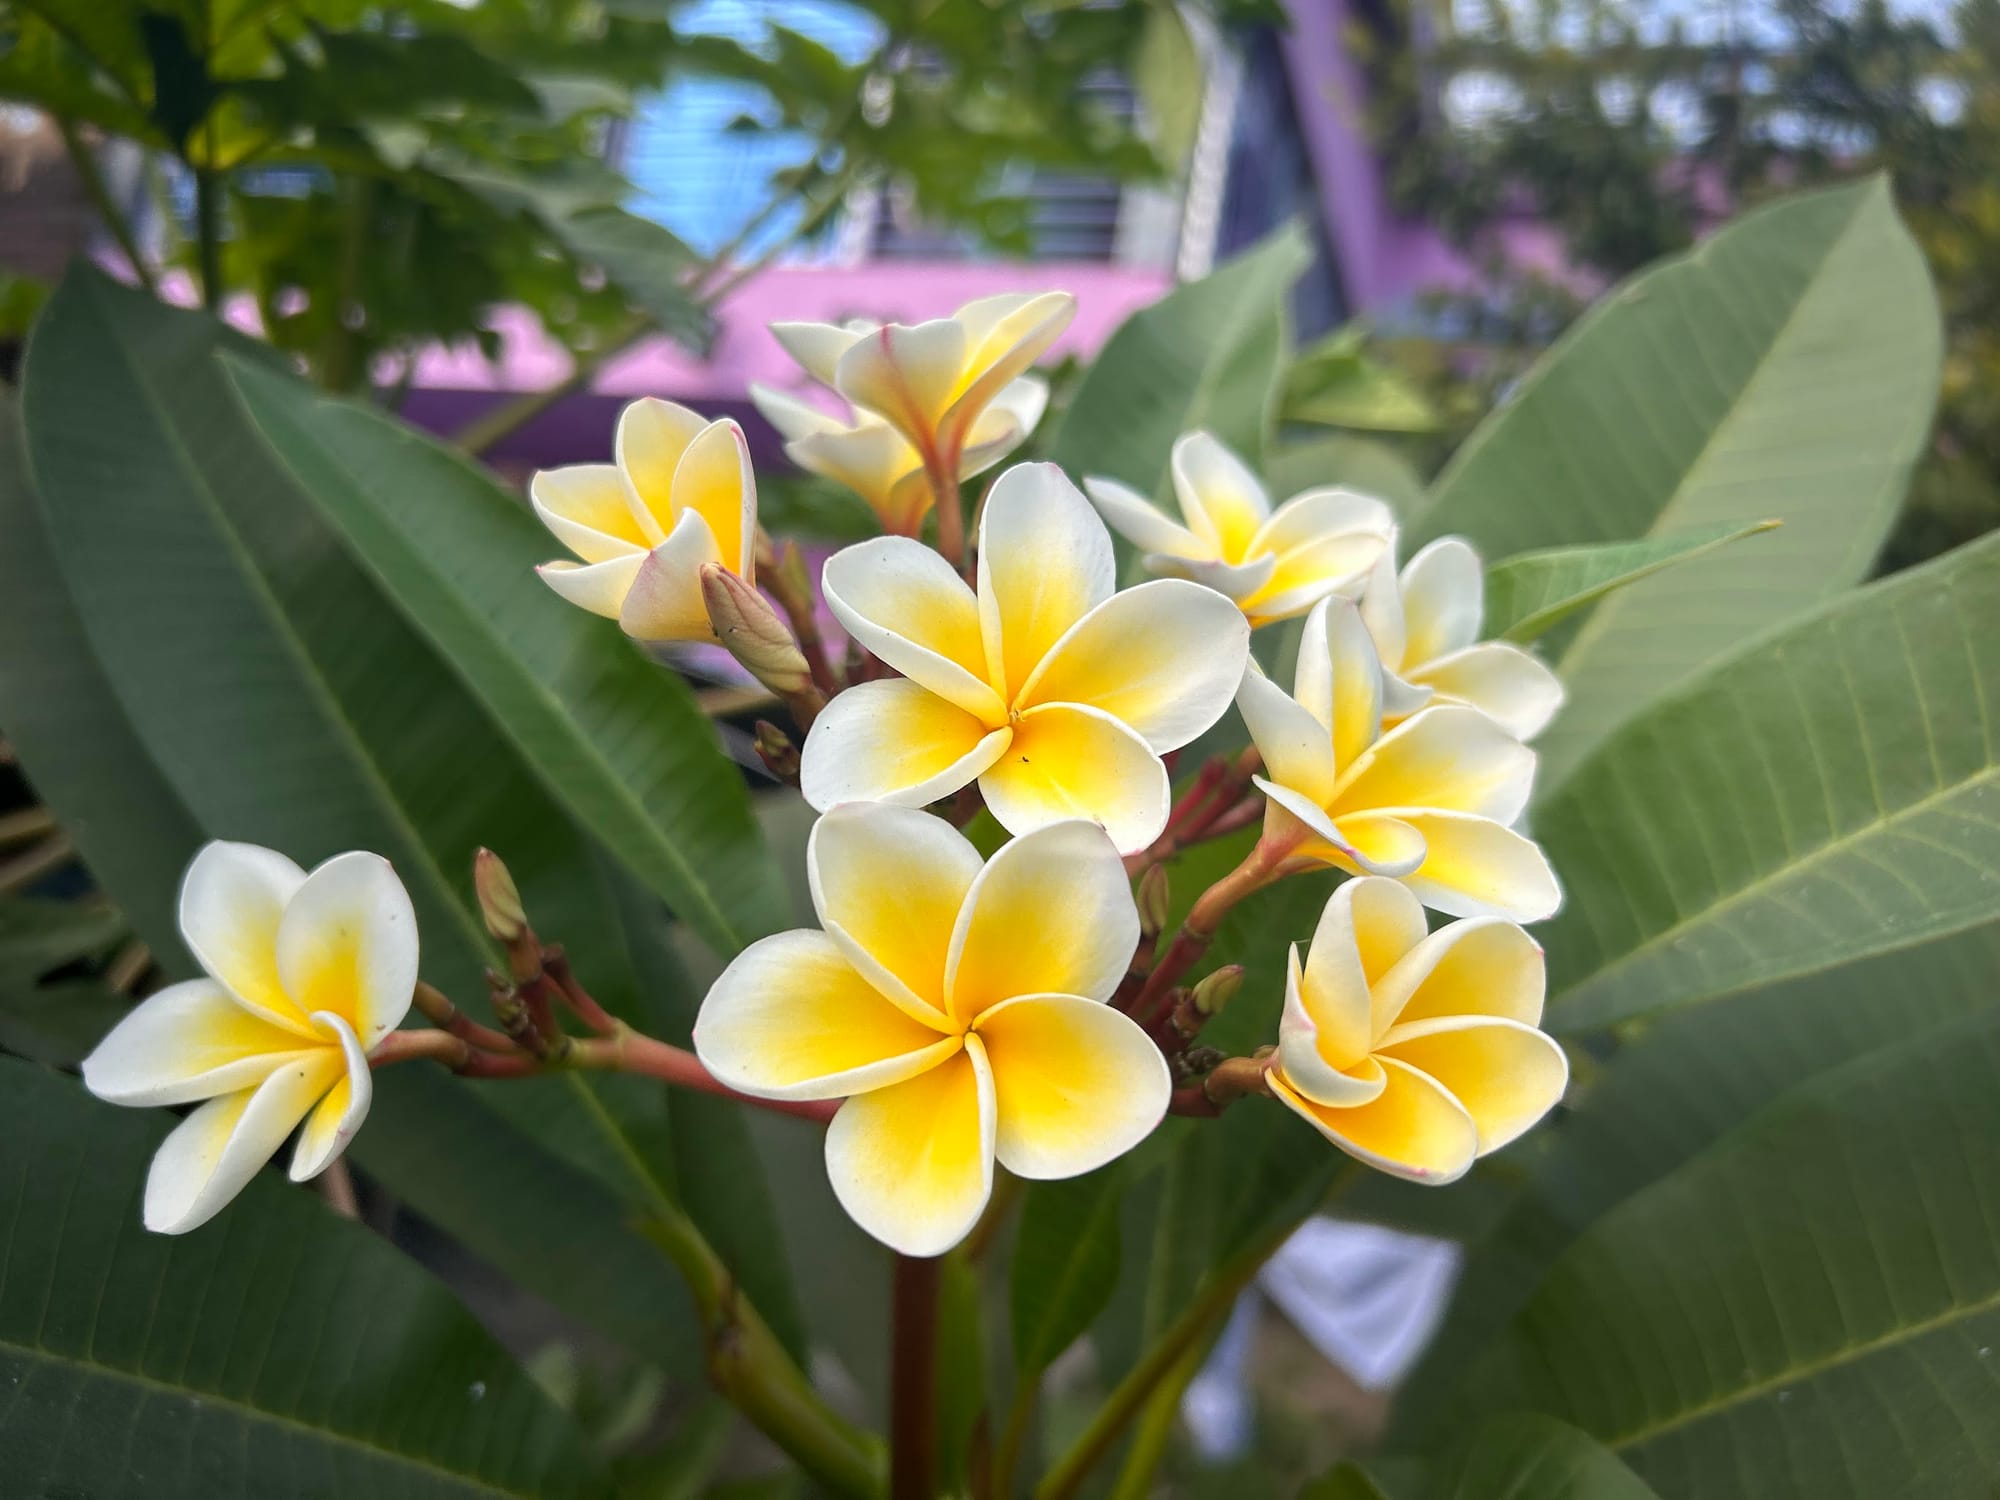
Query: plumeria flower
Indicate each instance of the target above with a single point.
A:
(1428, 803)
(932, 382)
(680, 495)
(958, 1010)
(304, 975)
(1426, 627)
(1415, 1053)
(877, 462)
(1274, 564)
(1057, 694)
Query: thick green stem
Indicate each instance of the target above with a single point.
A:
(913, 1380)
(747, 1364)
(1156, 1424)
(208, 234)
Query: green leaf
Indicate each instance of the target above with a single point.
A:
(1066, 1261)
(1531, 593)
(1167, 76)
(1526, 1457)
(1787, 368)
(648, 261)
(1828, 793)
(1207, 355)
(280, 1351)
(1333, 382)
(1808, 1309)
(1353, 462)
(617, 739)
(963, 1421)
(60, 1020)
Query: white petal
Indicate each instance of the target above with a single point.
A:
(998, 352)
(1319, 827)
(1499, 679)
(791, 1018)
(1475, 867)
(1067, 760)
(909, 606)
(1045, 561)
(1240, 581)
(1444, 600)
(1142, 523)
(1004, 425)
(907, 374)
(888, 884)
(1052, 913)
(588, 509)
(1354, 674)
(1448, 757)
(1296, 748)
(652, 438)
(1222, 500)
(1324, 1049)
(1481, 966)
(338, 1116)
(190, 1041)
(894, 740)
(1366, 927)
(664, 601)
(1164, 659)
(1076, 1084)
(875, 461)
(817, 346)
(348, 944)
(913, 1163)
(792, 417)
(232, 898)
(598, 587)
(1382, 612)
(1314, 515)
(212, 1154)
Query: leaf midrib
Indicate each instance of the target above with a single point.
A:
(208, 1398)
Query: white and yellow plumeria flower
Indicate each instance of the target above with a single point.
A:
(932, 382)
(1274, 564)
(1057, 694)
(959, 1010)
(1426, 627)
(1429, 802)
(305, 974)
(878, 463)
(1415, 1052)
(680, 495)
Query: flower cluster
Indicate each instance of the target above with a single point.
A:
(963, 1013)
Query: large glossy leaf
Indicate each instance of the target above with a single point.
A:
(1828, 793)
(1808, 1309)
(1066, 1259)
(1207, 355)
(281, 1351)
(618, 740)
(1357, 463)
(1787, 368)
(1529, 1457)
(1531, 593)
(44, 1015)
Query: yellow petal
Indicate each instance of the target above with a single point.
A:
(909, 606)
(1444, 600)
(588, 508)
(1076, 1084)
(1507, 684)
(907, 374)
(1306, 574)
(1475, 867)
(715, 481)
(1004, 335)
(1329, 1063)
(1481, 966)
(211, 1155)
(1069, 761)
(1004, 425)
(1291, 814)
(1223, 501)
(347, 944)
(1367, 926)
(1314, 516)
(340, 1112)
(232, 899)
(888, 884)
(1045, 561)
(872, 460)
(818, 346)
(1339, 678)
(664, 602)
(598, 587)
(894, 741)
(1506, 1075)
(1052, 913)
(1413, 1129)
(1379, 844)
(790, 1018)
(1296, 748)
(1164, 659)
(1448, 757)
(652, 437)
(1143, 524)
(913, 1163)
(190, 1041)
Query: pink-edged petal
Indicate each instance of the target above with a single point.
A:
(1076, 1084)
(232, 899)
(338, 1116)
(190, 1041)
(912, 1163)
(894, 740)
(791, 1018)
(1164, 659)
(1045, 561)
(1067, 760)
(1052, 913)
(888, 884)
(909, 607)
(347, 944)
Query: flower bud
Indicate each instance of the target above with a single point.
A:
(776, 750)
(499, 899)
(1153, 898)
(1218, 989)
(750, 629)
